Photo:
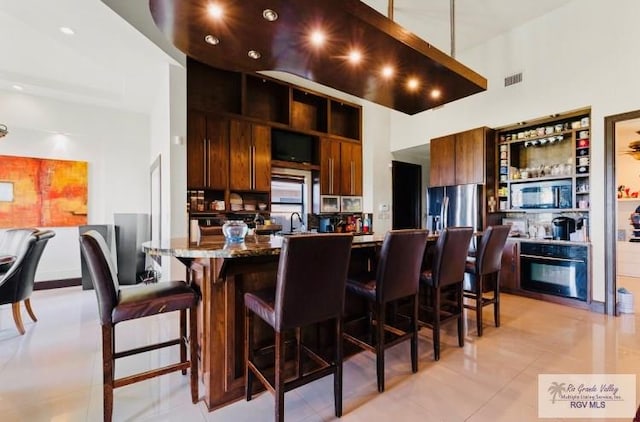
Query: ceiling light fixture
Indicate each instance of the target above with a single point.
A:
(210, 39)
(215, 11)
(270, 15)
(317, 38)
(255, 55)
(435, 94)
(66, 30)
(355, 56)
(387, 72)
(18, 87)
(413, 84)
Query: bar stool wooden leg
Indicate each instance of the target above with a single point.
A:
(248, 352)
(496, 298)
(27, 304)
(479, 304)
(183, 338)
(380, 320)
(414, 336)
(279, 378)
(460, 304)
(337, 378)
(17, 317)
(436, 323)
(107, 371)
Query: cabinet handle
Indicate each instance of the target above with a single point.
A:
(205, 167)
(331, 176)
(353, 177)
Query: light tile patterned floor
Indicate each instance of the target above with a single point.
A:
(53, 373)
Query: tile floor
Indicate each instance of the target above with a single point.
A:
(53, 372)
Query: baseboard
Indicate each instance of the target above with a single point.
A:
(56, 284)
(597, 307)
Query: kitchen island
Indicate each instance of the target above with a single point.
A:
(223, 273)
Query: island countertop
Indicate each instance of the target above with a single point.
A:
(182, 248)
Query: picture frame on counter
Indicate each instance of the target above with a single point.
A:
(329, 203)
(350, 204)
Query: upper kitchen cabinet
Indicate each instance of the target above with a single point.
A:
(207, 151)
(308, 111)
(350, 168)
(346, 120)
(266, 99)
(462, 158)
(330, 166)
(249, 156)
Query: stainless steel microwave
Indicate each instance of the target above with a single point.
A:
(551, 194)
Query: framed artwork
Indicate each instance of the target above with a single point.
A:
(350, 204)
(329, 203)
(37, 192)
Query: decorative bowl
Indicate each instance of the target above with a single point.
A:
(234, 231)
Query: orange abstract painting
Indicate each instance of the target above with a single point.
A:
(36, 192)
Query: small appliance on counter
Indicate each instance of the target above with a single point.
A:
(562, 227)
(635, 222)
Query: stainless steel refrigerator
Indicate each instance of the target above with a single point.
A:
(459, 205)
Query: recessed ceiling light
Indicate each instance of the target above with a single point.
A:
(18, 87)
(317, 38)
(215, 11)
(355, 56)
(210, 39)
(435, 93)
(413, 84)
(270, 15)
(387, 72)
(254, 54)
(66, 30)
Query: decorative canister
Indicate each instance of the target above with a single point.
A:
(234, 231)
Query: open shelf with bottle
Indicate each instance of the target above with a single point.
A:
(545, 150)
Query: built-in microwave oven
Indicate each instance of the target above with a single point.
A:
(550, 194)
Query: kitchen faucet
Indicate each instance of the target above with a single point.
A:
(291, 219)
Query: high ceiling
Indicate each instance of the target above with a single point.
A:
(109, 63)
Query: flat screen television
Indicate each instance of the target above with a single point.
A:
(291, 146)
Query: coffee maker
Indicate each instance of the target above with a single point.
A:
(563, 227)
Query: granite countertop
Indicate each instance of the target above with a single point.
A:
(550, 241)
(181, 248)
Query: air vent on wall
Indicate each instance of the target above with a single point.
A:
(513, 79)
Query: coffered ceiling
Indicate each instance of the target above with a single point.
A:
(109, 63)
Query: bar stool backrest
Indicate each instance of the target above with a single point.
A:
(312, 273)
(398, 272)
(489, 256)
(451, 255)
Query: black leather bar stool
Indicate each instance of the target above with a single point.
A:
(396, 277)
(484, 274)
(310, 288)
(116, 305)
(443, 283)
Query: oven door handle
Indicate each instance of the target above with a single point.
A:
(550, 258)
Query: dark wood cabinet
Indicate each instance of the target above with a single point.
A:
(329, 166)
(207, 151)
(442, 161)
(510, 270)
(350, 168)
(461, 158)
(249, 156)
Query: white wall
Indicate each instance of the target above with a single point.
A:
(583, 54)
(115, 144)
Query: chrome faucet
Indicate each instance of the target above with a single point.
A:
(291, 219)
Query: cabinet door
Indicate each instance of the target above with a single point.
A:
(510, 272)
(217, 168)
(350, 169)
(442, 161)
(261, 171)
(196, 147)
(240, 153)
(470, 157)
(329, 167)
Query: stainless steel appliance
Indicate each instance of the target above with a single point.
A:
(554, 269)
(459, 205)
(551, 194)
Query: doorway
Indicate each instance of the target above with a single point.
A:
(406, 200)
(622, 181)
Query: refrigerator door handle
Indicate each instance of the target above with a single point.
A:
(444, 212)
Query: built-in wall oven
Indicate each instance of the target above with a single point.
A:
(560, 270)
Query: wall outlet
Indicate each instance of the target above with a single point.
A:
(622, 234)
(383, 207)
